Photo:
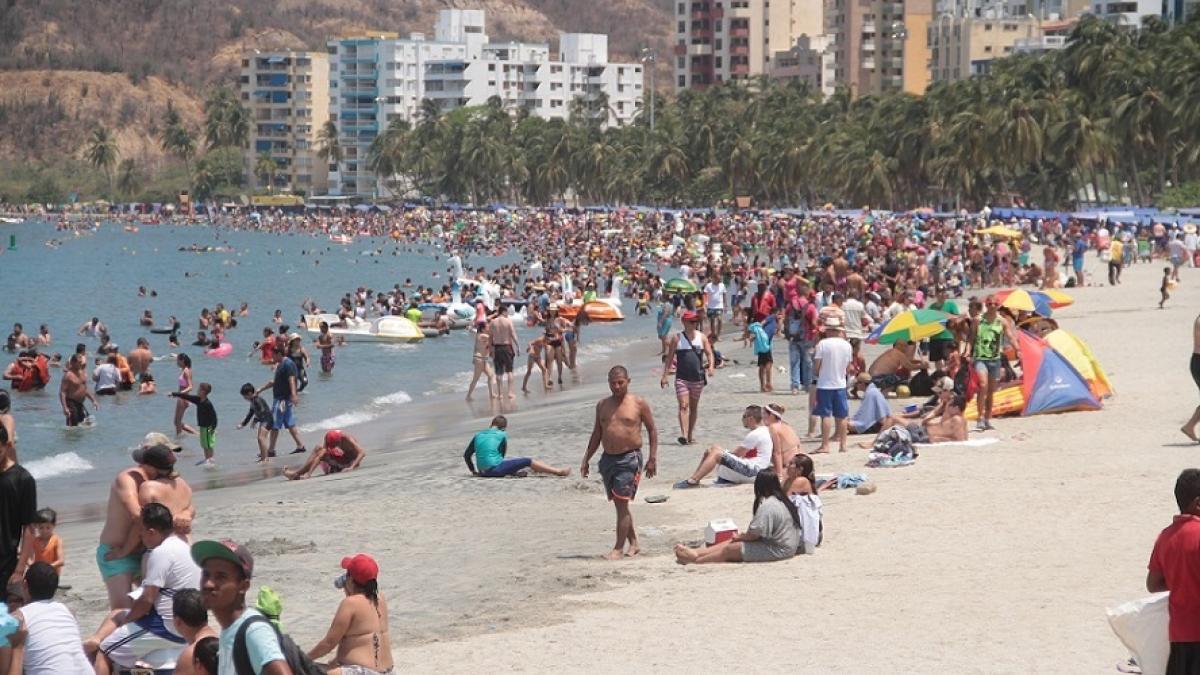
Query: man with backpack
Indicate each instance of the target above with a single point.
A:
(250, 644)
(800, 328)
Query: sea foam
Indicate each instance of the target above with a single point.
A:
(378, 407)
(62, 464)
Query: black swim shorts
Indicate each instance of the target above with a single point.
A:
(502, 358)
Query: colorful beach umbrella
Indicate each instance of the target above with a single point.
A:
(1038, 302)
(679, 285)
(911, 326)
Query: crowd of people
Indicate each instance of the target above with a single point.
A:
(822, 283)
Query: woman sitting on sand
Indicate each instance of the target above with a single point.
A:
(360, 626)
(774, 533)
(801, 489)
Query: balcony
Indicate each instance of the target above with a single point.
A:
(699, 14)
(681, 50)
(740, 50)
(717, 13)
(700, 50)
(743, 32)
(702, 33)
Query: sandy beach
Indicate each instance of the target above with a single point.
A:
(976, 559)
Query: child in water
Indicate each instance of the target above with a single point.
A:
(206, 421)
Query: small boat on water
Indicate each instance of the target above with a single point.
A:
(12, 221)
(382, 329)
(341, 239)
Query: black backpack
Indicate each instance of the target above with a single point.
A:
(296, 658)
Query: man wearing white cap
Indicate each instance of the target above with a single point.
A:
(830, 361)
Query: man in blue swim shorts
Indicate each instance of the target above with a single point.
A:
(285, 394)
(489, 448)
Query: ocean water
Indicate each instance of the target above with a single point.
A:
(99, 275)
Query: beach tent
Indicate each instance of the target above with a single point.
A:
(1051, 383)
(1080, 356)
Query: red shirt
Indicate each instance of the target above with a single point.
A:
(1176, 556)
(764, 306)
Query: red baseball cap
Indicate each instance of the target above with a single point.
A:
(361, 568)
(690, 316)
(332, 437)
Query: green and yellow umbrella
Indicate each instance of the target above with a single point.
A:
(912, 326)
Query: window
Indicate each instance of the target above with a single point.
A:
(491, 67)
(681, 8)
(681, 62)
(718, 61)
(987, 26)
(682, 81)
(682, 27)
(987, 49)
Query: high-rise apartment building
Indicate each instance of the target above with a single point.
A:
(287, 94)
(961, 47)
(728, 40)
(375, 78)
(1129, 13)
(811, 60)
(880, 46)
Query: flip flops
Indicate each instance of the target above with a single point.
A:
(682, 440)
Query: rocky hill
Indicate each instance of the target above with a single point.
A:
(66, 65)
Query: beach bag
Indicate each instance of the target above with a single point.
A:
(762, 343)
(1141, 625)
(893, 442)
(296, 658)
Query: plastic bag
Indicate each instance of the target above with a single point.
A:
(1141, 625)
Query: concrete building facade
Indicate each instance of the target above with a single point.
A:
(811, 60)
(880, 46)
(377, 77)
(730, 40)
(287, 94)
(962, 47)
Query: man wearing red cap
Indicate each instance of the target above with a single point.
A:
(340, 452)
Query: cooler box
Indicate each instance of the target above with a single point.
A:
(719, 530)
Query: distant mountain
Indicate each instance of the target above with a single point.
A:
(150, 50)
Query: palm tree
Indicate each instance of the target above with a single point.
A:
(102, 153)
(177, 140)
(266, 167)
(329, 149)
(129, 178)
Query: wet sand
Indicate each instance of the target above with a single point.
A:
(990, 559)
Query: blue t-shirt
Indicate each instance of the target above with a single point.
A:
(762, 342)
(282, 389)
(262, 645)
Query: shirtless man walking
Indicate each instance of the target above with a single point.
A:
(619, 420)
(117, 564)
(1189, 429)
(74, 391)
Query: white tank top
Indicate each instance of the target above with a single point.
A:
(54, 645)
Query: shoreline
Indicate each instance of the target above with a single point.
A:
(983, 543)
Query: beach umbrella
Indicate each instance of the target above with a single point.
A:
(1040, 302)
(913, 326)
(1000, 231)
(679, 285)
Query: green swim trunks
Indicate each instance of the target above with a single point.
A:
(208, 437)
(131, 564)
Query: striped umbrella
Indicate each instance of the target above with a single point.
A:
(911, 326)
(1038, 302)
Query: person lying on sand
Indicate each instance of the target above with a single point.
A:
(944, 423)
(490, 448)
(340, 452)
(773, 534)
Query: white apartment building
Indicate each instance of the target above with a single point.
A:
(1127, 13)
(524, 75)
(377, 77)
